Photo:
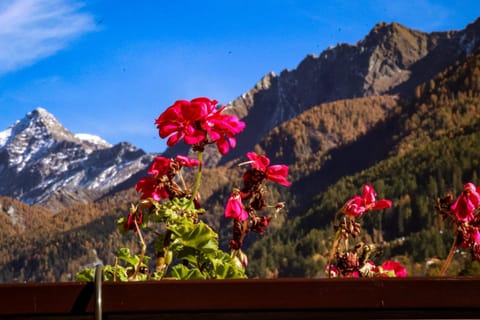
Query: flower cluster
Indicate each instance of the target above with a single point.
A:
(184, 246)
(354, 261)
(198, 122)
(243, 204)
(464, 215)
(161, 183)
(349, 267)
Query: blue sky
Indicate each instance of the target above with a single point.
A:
(110, 67)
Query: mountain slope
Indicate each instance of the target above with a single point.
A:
(436, 143)
(373, 66)
(41, 161)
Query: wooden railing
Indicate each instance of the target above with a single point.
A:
(379, 298)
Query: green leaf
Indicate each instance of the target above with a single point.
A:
(124, 254)
(133, 260)
(86, 275)
(202, 237)
(182, 272)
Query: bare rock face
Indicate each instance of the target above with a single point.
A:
(391, 59)
(40, 160)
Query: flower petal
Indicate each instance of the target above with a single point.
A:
(234, 208)
(382, 204)
(278, 173)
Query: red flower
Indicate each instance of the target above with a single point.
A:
(182, 121)
(234, 208)
(130, 222)
(222, 128)
(396, 267)
(159, 167)
(465, 205)
(276, 173)
(358, 205)
(151, 189)
(195, 121)
(187, 162)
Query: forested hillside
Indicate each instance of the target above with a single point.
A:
(437, 137)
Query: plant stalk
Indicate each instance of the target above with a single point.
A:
(196, 186)
(333, 251)
(450, 255)
(144, 248)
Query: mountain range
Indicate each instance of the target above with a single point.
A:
(41, 162)
(383, 111)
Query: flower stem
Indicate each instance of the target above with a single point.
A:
(450, 255)
(333, 251)
(144, 248)
(198, 178)
(335, 244)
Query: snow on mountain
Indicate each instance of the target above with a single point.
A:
(93, 139)
(40, 160)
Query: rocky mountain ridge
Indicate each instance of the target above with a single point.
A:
(391, 59)
(42, 162)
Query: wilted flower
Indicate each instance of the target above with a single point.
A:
(130, 223)
(358, 205)
(260, 223)
(467, 235)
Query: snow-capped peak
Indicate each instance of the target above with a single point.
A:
(49, 162)
(43, 114)
(93, 139)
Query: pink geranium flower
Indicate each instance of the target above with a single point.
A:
(465, 205)
(159, 167)
(222, 128)
(182, 121)
(358, 205)
(187, 162)
(163, 166)
(150, 188)
(234, 208)
(276, 173)
(198, 121)
(398, 269)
